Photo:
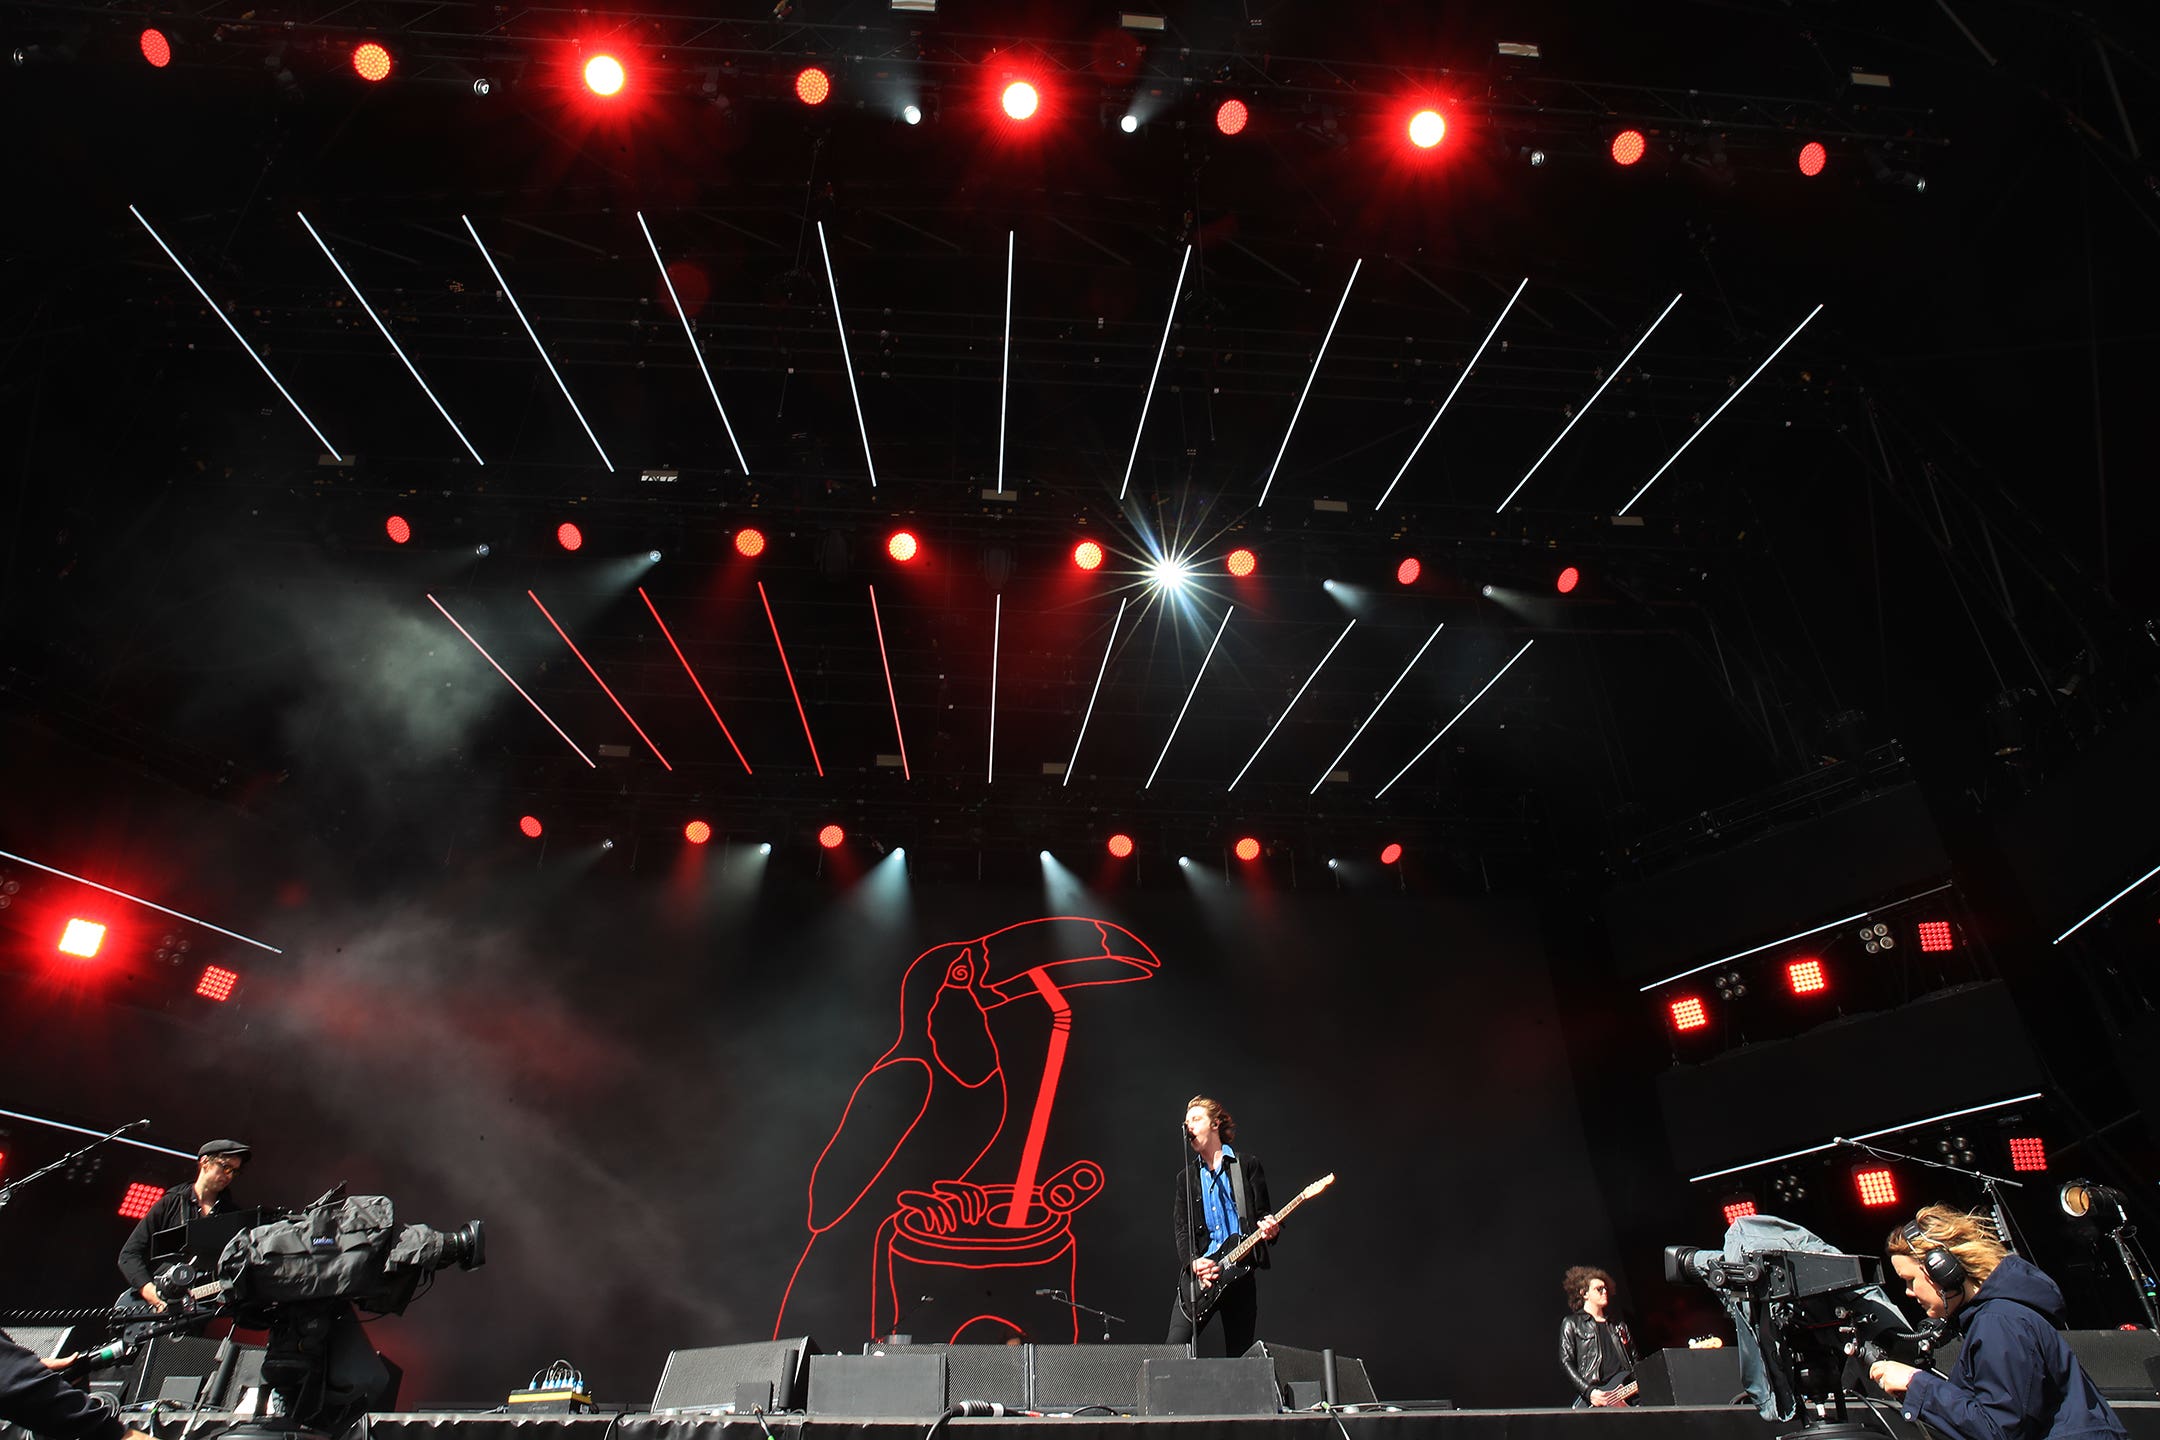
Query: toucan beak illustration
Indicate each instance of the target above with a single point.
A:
(1066, 951)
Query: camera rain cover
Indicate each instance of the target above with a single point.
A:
(323, 1253)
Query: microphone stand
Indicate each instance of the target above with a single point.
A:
(7, 1191)
(1103, 1315)
(1989, 1183)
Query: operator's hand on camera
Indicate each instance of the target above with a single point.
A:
(1206, 1270)
(151, 1298)
(58, 1362)
(1891, 1376)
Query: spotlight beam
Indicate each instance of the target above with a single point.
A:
(997, 625)
(1321, 355)
(1098, 682)
(1717, 412)
(534, 336)
(601, 683)
(1433, 423)
(1610, 376)
(513, 684)
(1149, 399)
(890, 693)
(1378, 708)
(789, 671)
(670, 636)
(847, 363)
(1458, 715)
(696, 351)
(225, 320)
(1293, 702)
(1197, 676)
(1005, 379)
(2102, 909)
(138, 900)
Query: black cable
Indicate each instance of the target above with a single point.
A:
(937, 1426)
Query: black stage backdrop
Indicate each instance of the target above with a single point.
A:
(632, 1077)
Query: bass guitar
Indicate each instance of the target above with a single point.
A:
(1198, 1298)
(1618, 1393)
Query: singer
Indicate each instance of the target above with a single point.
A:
(33, 1396)
(1215, 1191)
(216, 1165)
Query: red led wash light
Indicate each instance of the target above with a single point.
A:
(2028, 1152)
(1121, 846)
(1806, 977)
(569, 536)
(82, 938)
(749, 543)
(1877, 1186)
(217, 983)
(1737, 1207)
(1407, 572)
(398, 528)
(903, 546)
(831, 836)
(1232, 116)
(1628, 147)
(1088, 555)
(530, 825)
(604, 75)
(1241, 563)
(1020, 100)
(371, 61)
(812, 85)
(697, 832)
(1248, 849)
(1390, 853)
(1934, 936)
(138, 1200)
(1567, 580)
(156, 48)
(1689, 1013)
(1812, 158)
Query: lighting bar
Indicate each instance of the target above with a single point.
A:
(401, 355)
(260, 363)
(847, 362)
(1098, 680)
(670, 636)
(1149, 399)
(534, 335)
(1870, 1135)
(997, 624)
(513, 684)
(1719, 411)
(890, 693)
(1005, 378)
(1377, 708)
(1284, 448)
(1611, 376)
(1189, 698)
(100, 1134)
(601, 683)
(139, 900)
(789, 671)
(2104, 905)
(695, 350)
(1293, 702)
(1435, 421)
(1458, 715)
(1802, 935)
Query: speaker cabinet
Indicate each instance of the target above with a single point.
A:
(977, 1372)
(892, 1385)
(1303, 1370)
(1244, 1386)
(1106, 1377)
(1689, 1377)
(706, 1379)
(2117, 1360)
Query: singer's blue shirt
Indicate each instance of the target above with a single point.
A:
(1218, 1200)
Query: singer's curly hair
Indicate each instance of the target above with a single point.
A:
(1216, 1113)
(1576, 1283)
(1969, 1236)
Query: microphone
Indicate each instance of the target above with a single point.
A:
(978, 1407)
(1053, 1294)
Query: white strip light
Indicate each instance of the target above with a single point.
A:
(1005, 381)
(513, 684)
(1377, 708)
(1293, 702)
(1189, 698)
(997, 624)
(137, 899)
(2104, 905)
(688, 334)
(1149, 399)
(1458, 715)
(1611, 376)
(227, 322)
(519, 310)
(1801, 935)
(847, 362)
(1717, 412)
(1093, 693)
(1871, 1135)
(1284, 448)
(84, 1130)
(1432, 424)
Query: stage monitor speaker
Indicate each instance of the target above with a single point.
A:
(2117, 1359)
(891, 1385)
(705, 1379)
(1104, 1377)
(1303, 1368)
(1244, 1386)
(1689, 1377)
(43, 1341)
(977, 1372)
(170, 1364)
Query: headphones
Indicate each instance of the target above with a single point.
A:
(1942, 1267)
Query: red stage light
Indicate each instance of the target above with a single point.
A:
(1934, 936)
(1569, 579)
(903, 546)
(1737, 1207)
(604, 75)
(697, 832)
(1407, 572)
(156, 48)
(530, 824)
(1689, 1013)
(371, 61)
(812, 85)
(749, 543)
(1877, 1186)
(1241, 563)
(1088, 555)
(831, 836)
(398, 529)
(1248, 848)
(2028, 1152)
(1390, 854)
(1628, 147)
(217, 983)
(82, 937)
(1231, 116)
(569, 536)
(1806, 977)
(1121, 846)
(1812, 158)
(138, 1200)
(1021, 100)
(1427, 129)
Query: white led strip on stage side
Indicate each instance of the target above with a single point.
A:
(1611, 376)
(847, 362)
(1378, 708)
(1084, 718)
(1433, 423)
(696, 353)
(138, 900)
(1149, 399)
(1172, 738)
(2104, 905)
(1284, 448)
(1870, 1135)
(1797, 935)
(519, 311)
(1458, 715)
(1293, 703)
(98, 1134)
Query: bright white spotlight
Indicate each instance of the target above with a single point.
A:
(765, 849)
(1045, 854)
(482, 549)
(1333, 864)
(1129, 123)
(653, 555)
(912, 114)
(1169, 574)
(1184, 860)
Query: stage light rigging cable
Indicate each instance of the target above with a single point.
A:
(1458, 715)
(139, 900)
(1433, 423)
(1098, 686)
(1319, 356)
(513, 684)
(1149, 398)
(1293, 703)
(1197, 676)
(601, 683)
(846, 362)
(669, 635)
(1610, 376)
(1377, 708)
(890, 693)
(519, 310)
(695, 350)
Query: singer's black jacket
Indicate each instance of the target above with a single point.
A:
(1248, 1183)
(37, 1399)
(173, 1209)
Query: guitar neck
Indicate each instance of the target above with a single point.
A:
(1238, 1251)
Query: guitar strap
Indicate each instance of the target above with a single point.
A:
(1241, 1197)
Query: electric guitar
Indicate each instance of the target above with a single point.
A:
(1198, 1298)
(1618, 1394)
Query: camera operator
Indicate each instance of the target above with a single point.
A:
(33, 1395)
(216, 1165)
(2016, 1378)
